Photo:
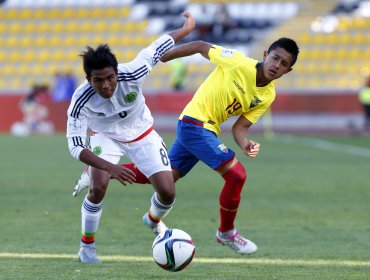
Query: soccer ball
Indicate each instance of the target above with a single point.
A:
(173, 249)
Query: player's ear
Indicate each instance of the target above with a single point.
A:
(265, 54)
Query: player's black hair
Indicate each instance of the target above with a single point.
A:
(97, 59)
(287, 44)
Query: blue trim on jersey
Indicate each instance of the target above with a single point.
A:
(161, 50)
(81, 101)
(135, 75)
(194, 143)
(77, 141)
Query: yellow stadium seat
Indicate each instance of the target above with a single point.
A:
(25, 13)
(100, 26)
(41, 14)
(72, 26)
(43, 26)
(11, 14)
(86, 26)
(82, 12)
(23, 69)
(68, 13)
(53, 13)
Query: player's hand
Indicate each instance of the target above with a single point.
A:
(252, 149)
(190, 22)
(122, 174)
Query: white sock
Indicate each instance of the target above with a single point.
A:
(90, 217)
(157, 209)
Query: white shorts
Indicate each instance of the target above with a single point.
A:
(149, 154)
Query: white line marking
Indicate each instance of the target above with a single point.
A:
(241, 260)
(325, 145)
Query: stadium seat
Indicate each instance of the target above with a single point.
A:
(39, 32)
(47, 36)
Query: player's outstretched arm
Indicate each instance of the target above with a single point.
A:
(188, 26)
(187, 50)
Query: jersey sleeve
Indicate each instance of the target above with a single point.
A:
(156, 50)
(143, 63)
(76, 133)
(225, 57)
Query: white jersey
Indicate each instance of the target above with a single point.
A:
(124, 116)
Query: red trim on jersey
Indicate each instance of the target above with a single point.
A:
(225, 162)
(136, 139)
(192, 121)
(141, 136)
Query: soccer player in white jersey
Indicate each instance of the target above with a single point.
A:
(111, 103)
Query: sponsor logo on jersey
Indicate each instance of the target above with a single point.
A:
(211, 122)
(239, 87)
(255, 102)
(131, 97)
(101, 115)
(97, 150)
(75, 124)
(223, 148)
(227, 53)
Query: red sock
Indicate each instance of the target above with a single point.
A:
(230, 196)
(140, 177)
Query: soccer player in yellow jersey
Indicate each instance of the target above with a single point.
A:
(239, 86)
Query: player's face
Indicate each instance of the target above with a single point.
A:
(104, 81)
(276, 63)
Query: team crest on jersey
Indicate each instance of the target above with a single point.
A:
(131, 97)
(97, 150)
(227, 53)
(255, 102)
(223, 148)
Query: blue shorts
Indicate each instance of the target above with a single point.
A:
(194, 143)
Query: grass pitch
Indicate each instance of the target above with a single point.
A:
(305, 204)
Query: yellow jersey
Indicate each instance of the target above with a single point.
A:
(230, 90)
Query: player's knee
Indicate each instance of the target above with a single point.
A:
(96, 196)
(167, 194)
(97, 191)
(236, 174)
(164, 185)
(176, 174)
(240, 173)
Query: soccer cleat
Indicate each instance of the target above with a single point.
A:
(157, 228)
(237, 243)
(88, 255)
(82, 183)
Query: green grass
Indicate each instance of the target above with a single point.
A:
(306, 206)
